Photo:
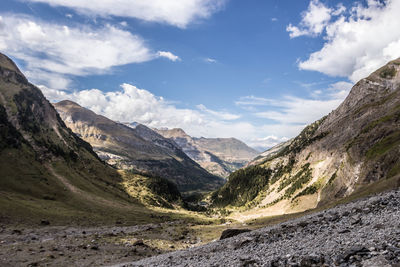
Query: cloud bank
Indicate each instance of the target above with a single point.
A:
(282, 118)
(357, 41)
(52, 52)
(133, 104)
(178, 13)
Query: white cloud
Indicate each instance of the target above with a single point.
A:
(253, 101)
(179, 13)
(210, 60)
(168, 55)
(294, 110)
(340, 90)
(289, 115)
(274, 19)
(52, 52)
(358, 41)
(134, 104)
(313, 22)
(268, 141)
(219, 114)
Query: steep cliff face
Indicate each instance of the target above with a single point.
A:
(220, 156)
(355, 145)
(136, 147)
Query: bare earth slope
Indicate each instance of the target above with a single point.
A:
(363, 233)
(219, 156)
(138, 148)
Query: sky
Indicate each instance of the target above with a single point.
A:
(257, 70)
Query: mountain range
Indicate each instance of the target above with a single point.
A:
(219, 156)
(136, 147)
(67, 165)
(354, 148)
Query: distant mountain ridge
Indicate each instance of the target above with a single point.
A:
(136, 147)
(353, 148)
(219, 156)
(269, 153)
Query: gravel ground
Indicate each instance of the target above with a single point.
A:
(362, 233)
(88, 246)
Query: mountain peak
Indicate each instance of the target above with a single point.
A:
(391, 71)
(7, 63)
(65, 103)
(174, 132)
(10, 71)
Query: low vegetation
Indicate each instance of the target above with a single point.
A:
(388, 72)
(384, 145)
(301, 178)
(243, 186)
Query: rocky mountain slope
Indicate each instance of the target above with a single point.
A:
(219, 156)
(355, 145)
(47, 172)
(363, 233)
(136, 147)
(269, 153)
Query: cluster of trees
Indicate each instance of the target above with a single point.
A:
(242, 186)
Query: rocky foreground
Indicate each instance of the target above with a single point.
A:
(362, 233)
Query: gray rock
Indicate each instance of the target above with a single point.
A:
(232, 232)
(295, 243)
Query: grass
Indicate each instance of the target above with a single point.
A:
(29, 193)
(384, 145)
(394, 171)
(395, 116)
(375, 103)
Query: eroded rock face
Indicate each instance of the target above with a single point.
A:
(136, 147)
(354, 146)
(328, 238)
(219, 156)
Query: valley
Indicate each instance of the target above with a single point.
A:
(77, 187)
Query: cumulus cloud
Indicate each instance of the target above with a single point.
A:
(178, 13)
(313, 21)
(168, 55)
(281, 118)
(133, 104)
(357, 42)
(52, 52)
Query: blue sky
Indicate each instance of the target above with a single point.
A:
(257, 70)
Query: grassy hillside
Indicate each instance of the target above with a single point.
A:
(48, 173)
